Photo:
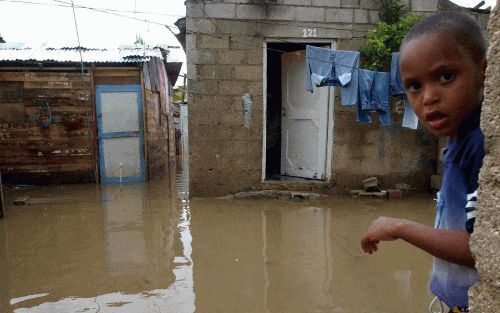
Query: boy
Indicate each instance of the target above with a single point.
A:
(442, 65)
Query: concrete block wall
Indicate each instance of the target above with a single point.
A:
(225, 60)
(485, 242)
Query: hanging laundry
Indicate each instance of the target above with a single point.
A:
(374, 96)
(327, 67)
(397, 90)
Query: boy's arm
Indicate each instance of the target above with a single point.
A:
(449, 245)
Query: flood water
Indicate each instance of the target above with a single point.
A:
(147, 248)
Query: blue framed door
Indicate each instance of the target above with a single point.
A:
(121, 133)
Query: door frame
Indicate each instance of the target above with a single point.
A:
(331, 105)
(120, 88)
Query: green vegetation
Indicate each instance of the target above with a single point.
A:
(386, 37)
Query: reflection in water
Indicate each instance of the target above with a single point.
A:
(134, 248)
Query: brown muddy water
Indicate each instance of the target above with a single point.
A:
(135, 249)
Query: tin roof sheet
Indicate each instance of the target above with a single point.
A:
(19, 52)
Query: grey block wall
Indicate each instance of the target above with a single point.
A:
(485, 243)
(225, 41)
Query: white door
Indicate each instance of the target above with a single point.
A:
(304, 122)
(121, 140)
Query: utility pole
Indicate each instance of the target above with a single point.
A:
(184, 90)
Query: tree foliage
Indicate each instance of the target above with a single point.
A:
(386, 37)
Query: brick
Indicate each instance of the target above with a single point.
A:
(326, 3)
(360, 16)
(284, 13)
(339, 15)
(209, 42)
(220, 10)
(350, 3)
(424, 5)
(231, 57)
(252, 12)
(194, 9)
(371, 4)
(310, 14)
(394, 194)
(248, 72)
(216, 72)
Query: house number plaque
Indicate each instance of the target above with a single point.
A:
(309, 32)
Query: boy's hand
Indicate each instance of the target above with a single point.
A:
(381, 229)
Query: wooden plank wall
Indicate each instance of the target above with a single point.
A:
(34, 155)
(157, 137)
(30, 153)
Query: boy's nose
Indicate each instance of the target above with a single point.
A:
(430, 96)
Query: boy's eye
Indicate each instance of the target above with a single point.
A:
(413, 86)
(446, 77)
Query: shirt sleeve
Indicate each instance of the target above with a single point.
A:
(472, 166)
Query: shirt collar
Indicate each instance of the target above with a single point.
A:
(471, 122)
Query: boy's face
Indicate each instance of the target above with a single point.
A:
(442, 81)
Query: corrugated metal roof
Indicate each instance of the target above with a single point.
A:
(19, 52)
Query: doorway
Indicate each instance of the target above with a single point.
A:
(121, 136)
(298, 124)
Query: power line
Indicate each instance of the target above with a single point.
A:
(107, 9)
(213, 20)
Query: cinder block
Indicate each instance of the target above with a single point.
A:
(424, 5)
(236, 27)
(248, 72)
(203, 57)
(252, 12)
(231, 57)
(190, 42)
(326, 3)
(216, 72)
(360, 16)
(296, 2)
(280, 12)
(204, 87)
(350, 3)
(374, 17)
(339, 15)
(200, 25)
(194, 9)
(220, 10)
(246, 43)
(371, 4)
(310, 14)
(254, 57)
(209, 42)
(232, 87)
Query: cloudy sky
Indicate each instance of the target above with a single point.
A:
(51, 23)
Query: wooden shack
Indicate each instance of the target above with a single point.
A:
(76, 115)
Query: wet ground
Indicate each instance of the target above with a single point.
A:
(136, 249)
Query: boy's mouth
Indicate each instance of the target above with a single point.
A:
(436, 120)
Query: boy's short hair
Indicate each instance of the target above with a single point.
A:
(466, 30)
